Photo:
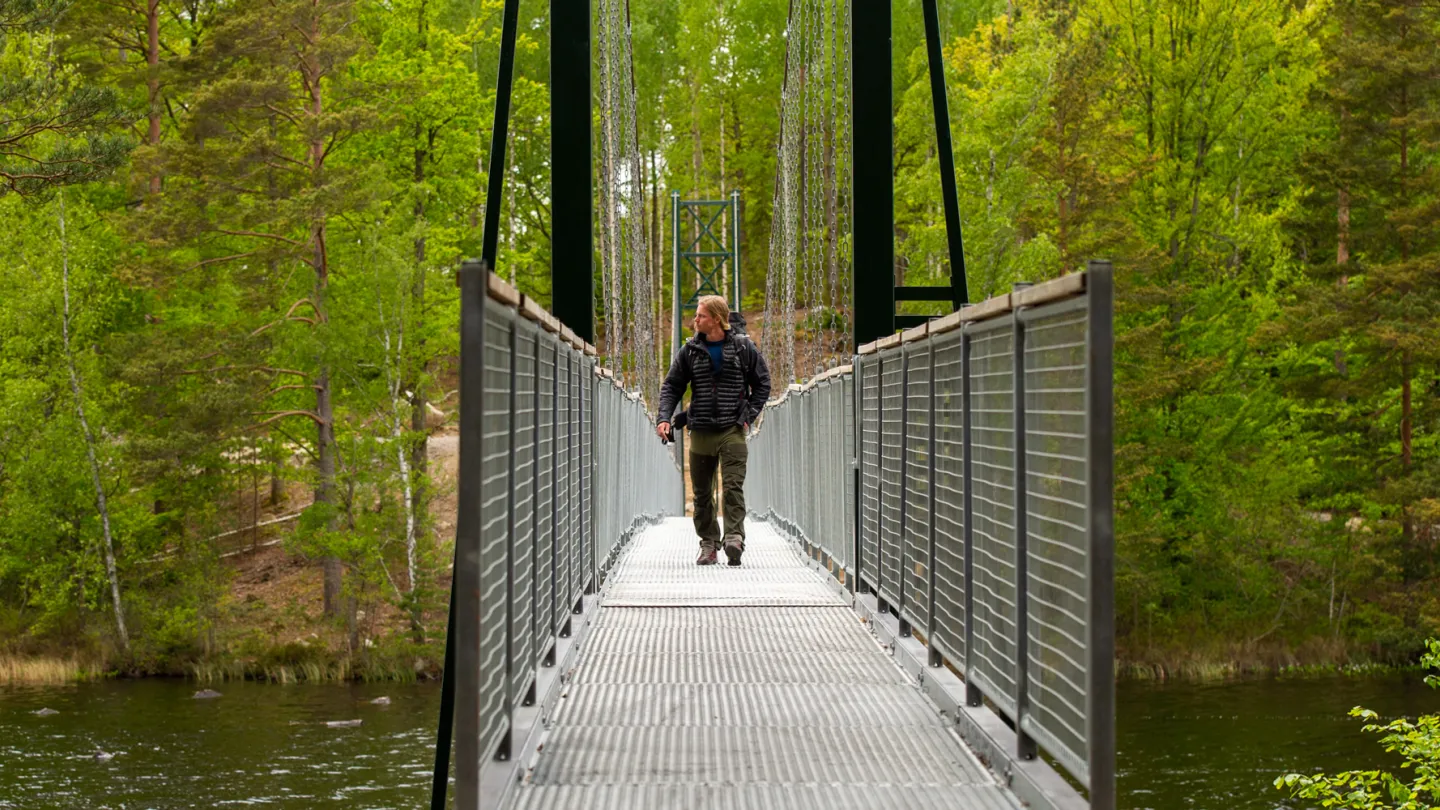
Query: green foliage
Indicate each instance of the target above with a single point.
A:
(261, 290)
(55, 129)
(1417, 743)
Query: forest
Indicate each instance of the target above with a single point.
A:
(228, 312)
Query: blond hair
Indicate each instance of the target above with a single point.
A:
(718, 309)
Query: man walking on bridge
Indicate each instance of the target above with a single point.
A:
(729, 384)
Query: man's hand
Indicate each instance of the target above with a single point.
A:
(663, 431)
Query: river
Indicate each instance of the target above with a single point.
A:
(1210, 746)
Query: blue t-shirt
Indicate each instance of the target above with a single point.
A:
(717, 353)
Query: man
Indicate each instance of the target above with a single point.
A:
(729, 384)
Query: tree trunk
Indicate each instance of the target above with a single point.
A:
(277, 476)
(325, 486)
(418, 475)
(152, 81)
(1342, 221)
(76, 390)
(324, 405)
(420, 451)
(1407, 369)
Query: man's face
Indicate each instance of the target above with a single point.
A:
(703, 322)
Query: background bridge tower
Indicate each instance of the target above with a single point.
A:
(713, 256)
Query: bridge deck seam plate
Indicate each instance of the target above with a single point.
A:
(750, 687)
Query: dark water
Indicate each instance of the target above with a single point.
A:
(1220, 746)
(258, 744)
(1210, 747)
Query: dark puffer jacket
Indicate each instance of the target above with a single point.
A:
(734, 398)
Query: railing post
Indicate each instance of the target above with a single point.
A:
(935, 658)
(973, 696)
(503, 752)
(880, 602)
(592, 384)
(859, 467)
(557, 486)
(901, 569)
(473, 280)
(577, 528)
(536, 619)
(1024, 746)
(856, 447)
(1100, 405)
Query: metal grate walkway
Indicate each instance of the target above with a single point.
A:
(751, 687)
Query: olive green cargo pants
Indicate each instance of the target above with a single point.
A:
(726, 451)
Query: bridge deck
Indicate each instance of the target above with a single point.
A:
(750, 687)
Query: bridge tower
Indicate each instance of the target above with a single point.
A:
(713, 256)
(876, 293)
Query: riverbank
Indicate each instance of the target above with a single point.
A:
(405, 663)
(1207, 661)
(283, 638)
(269, 626)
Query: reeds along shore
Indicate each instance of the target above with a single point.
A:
(18, 670)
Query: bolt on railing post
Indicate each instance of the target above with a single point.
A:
(1025, 747)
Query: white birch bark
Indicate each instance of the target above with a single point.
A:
(76, 389)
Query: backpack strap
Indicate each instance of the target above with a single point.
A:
(744, 347)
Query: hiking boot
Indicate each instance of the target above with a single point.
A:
(734, 547)
(707, 557)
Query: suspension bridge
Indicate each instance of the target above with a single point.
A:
(923, 617)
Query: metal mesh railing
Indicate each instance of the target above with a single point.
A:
(493, 556)
(869, 431)
(992, 466)
(892, 434)
(558, 468)
(916, 491)
(951, 588)
(1057, 529)
(985, 473)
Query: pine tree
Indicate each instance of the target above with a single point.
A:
(1374, 305)
(55, 129)
(254, 189)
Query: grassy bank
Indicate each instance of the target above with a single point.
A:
(18, 670)
(398, 661)
(1215, 661)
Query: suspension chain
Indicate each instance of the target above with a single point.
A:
(810, 240)
(630, 342)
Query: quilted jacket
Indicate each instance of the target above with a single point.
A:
(733, 397)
